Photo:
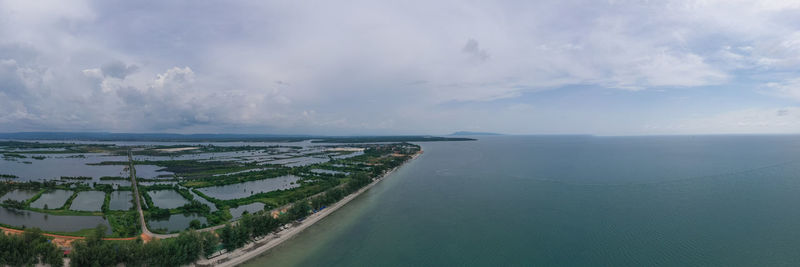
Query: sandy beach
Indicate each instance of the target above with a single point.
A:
(268, 242)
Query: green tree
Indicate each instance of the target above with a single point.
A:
(228, 237)
(28, 249)
(210, 241)
(195, 224)
(299, 210)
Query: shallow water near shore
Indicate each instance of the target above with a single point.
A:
(571, 200)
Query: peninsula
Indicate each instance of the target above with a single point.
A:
(231, 200)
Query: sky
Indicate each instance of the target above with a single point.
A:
(401, 67)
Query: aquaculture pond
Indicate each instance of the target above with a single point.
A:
(242, 190)
(204, 201)
(19, 195)
(250, 208)
(115, 182)
(167, 199)
(300, 161)
(345, 156)
(54, 223)
(121, 200)
(54, 166)
(331, 172)
(156, 183)
(244, 171)
(53, 200)
(151, 171)
(176, 222)
(88, 201)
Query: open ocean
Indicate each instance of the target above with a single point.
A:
(571, 201)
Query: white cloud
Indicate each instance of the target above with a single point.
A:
(789, 88)
(87, 64)
(746, 121)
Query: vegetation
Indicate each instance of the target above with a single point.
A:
(125, 224)
(262, 223)
(28, 249)
(103, 187)
(157, 213)
(377, 139)
(207, 181)
(76, 178)
(106, 202)
(113, 178)
(68, 203)
(182, 250)
(315, 190)
(14, 204)
(195, 206)
(14, 156)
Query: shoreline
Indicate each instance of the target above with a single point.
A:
(264, 244)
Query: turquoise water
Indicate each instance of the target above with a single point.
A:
(571, 201)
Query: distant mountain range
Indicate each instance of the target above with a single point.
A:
(171, 137)
(461, 133)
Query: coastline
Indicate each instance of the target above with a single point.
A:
(264, 244)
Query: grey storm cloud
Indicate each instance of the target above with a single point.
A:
(118, 69)
(473, 49)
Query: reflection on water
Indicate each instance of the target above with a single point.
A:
(204, 201)
(55, 166)
(19, 195)
(50, 222)
(331, 172)
(242, 190)
(167, 199)
(151, 171)
(121, 200)
(176, 222)
(88, 201)
(53, 200)
(250, 208)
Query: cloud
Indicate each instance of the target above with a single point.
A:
(174, 79)
(471, 48)
(118, 69)
(135, 66)
(667, 69)
(746, 121)
(789, 88)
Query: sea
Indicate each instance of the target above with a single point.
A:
(720, 200)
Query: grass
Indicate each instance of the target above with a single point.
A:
(80, 233)
(35, 197)
(68, 212)
(106, 202)
(69, 200)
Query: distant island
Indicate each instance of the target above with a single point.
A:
(463, 133)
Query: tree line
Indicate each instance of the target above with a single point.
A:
(29, 248)
(181, 250)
